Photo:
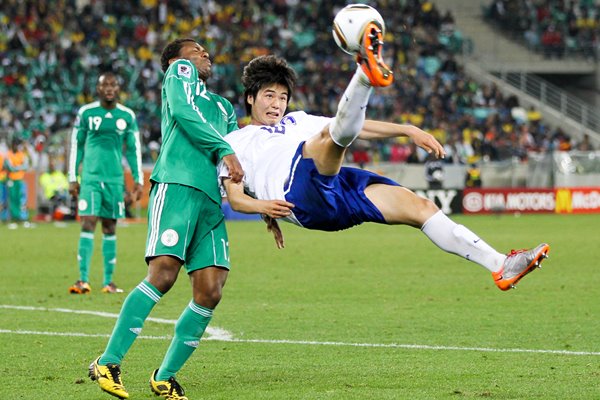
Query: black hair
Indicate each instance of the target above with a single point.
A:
(172, 50)
(264, 71)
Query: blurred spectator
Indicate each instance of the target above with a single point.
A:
(360, 155)
(434, 172)
(3, 188)
(552, 42)
(17, 162)
(585, 144)
(473, 177)
(55, 189)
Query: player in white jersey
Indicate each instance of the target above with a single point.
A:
(294, 169)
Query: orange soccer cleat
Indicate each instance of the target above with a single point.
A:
(80, 287)
(370, 58)
(519, 263)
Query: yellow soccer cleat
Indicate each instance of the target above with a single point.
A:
(108, 378)
(519, 263)
(170, 390)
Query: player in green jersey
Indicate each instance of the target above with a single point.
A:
(100, 130)
(186, 226)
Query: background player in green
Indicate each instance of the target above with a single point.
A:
(186, 225)
(100, 130)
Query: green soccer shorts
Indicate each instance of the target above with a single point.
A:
(185, 223)
(101, 199)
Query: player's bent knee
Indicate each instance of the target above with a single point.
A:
(426, 209)
(88, 224)
(208, 298)
(429, 207)
(163, 272)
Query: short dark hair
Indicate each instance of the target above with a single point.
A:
(264, 71)
(172, 50)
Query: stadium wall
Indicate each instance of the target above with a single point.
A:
(488, 200)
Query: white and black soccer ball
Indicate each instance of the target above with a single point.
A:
(349, 24)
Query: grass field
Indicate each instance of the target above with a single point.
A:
(375, 312)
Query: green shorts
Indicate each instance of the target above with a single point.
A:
(101, 199)
(185, 223)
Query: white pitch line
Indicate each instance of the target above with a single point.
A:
(76, 334)
(222, 335)
(314, 343)
(211, 332)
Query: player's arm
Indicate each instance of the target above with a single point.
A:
(243, 203)
(385, 130)
(78, 137)
(180, 81)
(133, 154)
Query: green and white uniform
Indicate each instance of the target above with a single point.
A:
(184, 215)
(97, 139)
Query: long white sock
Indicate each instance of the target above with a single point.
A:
(457, 239)
(351, 112)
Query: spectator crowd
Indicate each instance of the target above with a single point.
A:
(52, 50)
(555, 28)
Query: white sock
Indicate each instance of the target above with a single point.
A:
(351, 112)
(457, 239)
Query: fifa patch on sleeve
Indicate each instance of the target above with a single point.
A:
(184, 70)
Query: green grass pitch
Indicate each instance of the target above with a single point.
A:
(375, 312)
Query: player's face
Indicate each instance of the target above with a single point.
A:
(108, 88)
(269, 105)
(197, 56)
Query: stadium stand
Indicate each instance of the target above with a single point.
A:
(52, 51)
(555, 28)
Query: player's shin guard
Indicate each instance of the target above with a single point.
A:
(350, 116)
(458, 239)
(109, 253)
(135, 310)
(189, 329)
(84, 254)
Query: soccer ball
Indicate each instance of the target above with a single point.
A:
(349, 24)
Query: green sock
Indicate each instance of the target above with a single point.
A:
(84, 254)
(188, 331)
(109, 252)
(134, 312)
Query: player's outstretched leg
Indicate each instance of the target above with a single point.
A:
(370, 58)
(108, 378)
(169, 389)
(519, 263)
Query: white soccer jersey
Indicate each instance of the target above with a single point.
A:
(266, 153)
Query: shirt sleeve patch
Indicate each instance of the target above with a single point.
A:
(184, 70)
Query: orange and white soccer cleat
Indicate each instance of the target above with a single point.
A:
(370, 58)
(80, 287)
(111, 288)
(519, 263)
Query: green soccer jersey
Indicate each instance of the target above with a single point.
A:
(97, 139)
(194, 122)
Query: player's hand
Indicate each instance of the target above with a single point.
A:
(236, 173)
(276, 208)
(74, 189)
(136, 194)
(273, 227)
(429, 143)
